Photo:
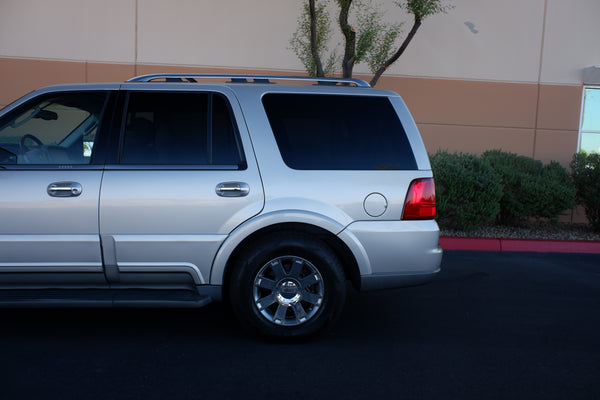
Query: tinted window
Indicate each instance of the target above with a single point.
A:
(338, 132)
(55, 129)
(179, 129)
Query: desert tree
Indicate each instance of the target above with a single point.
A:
(367, 38)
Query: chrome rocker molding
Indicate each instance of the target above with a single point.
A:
(189, 268)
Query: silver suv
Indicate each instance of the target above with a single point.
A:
(177, 190)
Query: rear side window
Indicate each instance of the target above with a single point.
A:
(166, 128)
(333, 132)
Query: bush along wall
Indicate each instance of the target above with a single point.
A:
(585, 170)
(531, 189)
(500, 186)
(468, 191)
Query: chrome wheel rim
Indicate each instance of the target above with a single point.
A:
(288, 291)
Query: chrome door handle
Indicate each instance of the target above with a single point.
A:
(64, 189)
(232, 189)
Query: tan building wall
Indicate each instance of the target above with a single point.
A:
(488, 74)
(547, 41)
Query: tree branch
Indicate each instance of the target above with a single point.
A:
(350, 39)
(313, 39)
(397, 54)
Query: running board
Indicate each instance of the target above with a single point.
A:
(102, 298)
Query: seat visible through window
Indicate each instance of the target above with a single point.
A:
(138, 144)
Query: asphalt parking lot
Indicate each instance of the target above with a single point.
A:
(492, 326)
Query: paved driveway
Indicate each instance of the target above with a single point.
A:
(493, 326)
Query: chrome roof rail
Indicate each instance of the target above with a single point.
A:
(246, 78)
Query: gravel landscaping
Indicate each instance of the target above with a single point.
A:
(534, 230)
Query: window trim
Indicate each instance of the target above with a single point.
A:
(171, 167)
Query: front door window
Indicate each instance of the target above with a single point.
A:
(56, 130)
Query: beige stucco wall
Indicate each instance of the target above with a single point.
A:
(571, 40)
(547, 41)
(502, 45)
(101, 30)
(231, 33)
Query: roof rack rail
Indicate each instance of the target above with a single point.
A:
(235, 78)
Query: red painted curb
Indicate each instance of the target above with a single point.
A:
(522, 245)
(481, 244)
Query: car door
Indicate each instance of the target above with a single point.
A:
(183, 180)
(50, 175)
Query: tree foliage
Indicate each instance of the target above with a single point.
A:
(422, 9)
(375, 38)
(311, 38)
(367, 37)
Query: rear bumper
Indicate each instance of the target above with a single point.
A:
(395, 253)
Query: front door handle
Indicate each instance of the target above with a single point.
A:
(232, 189)
(64, 189)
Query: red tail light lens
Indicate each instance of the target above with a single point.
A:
(420, 200)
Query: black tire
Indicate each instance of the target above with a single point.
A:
(287, 285)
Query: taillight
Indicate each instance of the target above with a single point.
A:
(420, 200)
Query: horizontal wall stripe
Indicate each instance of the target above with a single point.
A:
(456, 115)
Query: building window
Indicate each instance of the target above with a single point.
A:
(589, 133)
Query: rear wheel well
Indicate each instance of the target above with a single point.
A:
(342, 251)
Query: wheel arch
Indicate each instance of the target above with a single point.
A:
(243, 238)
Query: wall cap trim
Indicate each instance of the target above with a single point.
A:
(591, 75)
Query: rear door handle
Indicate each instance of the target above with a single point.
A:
(64, 189)
(232, 189)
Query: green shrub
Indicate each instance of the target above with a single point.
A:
(531, 190)
(467, 190)
(560, 193)
(586, 175)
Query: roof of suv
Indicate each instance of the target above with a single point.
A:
(257, 84)
(250, 83)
